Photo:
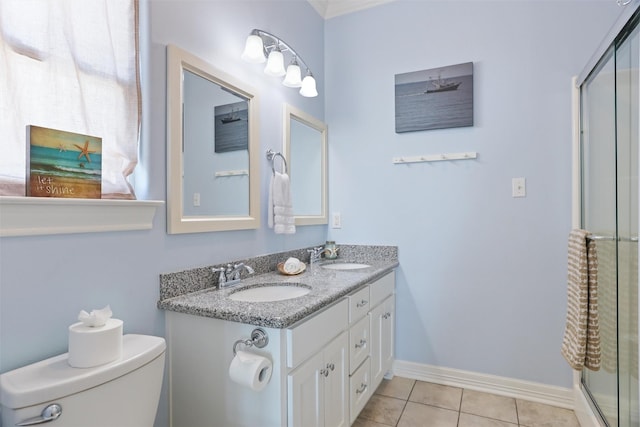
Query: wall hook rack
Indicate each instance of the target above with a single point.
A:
(468, 155)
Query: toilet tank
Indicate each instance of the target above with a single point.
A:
(123, 393)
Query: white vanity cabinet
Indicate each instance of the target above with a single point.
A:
(325, 367)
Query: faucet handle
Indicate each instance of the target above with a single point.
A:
(222, 278)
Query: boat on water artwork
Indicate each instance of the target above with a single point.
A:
(63, 164)
(437, 98)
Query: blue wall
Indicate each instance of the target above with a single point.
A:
(482, 279)
(45, 281)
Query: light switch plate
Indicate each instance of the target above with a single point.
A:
(336, 220)
(518, 187)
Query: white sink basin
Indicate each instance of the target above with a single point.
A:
(275, 292)
(345, 266)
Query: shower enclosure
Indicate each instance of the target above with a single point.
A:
(609, 133)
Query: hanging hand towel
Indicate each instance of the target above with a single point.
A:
(581, 342)
(280, 207)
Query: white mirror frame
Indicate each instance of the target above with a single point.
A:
(179, 60)
(299, 115)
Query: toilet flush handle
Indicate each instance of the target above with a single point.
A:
(50, 413)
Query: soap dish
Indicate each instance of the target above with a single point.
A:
(281, 269)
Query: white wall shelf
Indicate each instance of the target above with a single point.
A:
(435, 157)
(31, 216)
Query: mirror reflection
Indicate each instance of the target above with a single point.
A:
(306, 148)
(212, 150)
(216, 155)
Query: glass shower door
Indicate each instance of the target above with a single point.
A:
(610, 116)
(627, 88)
(599, 217)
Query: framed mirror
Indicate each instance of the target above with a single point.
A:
(305, 145)
(212, 149)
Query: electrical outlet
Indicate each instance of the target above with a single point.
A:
(196, 199)
(518, 187)
(336, 220)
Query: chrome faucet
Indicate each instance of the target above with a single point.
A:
(230, 275)
(315, 254)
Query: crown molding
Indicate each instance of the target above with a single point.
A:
(332, 8)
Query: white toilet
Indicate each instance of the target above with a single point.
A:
(124, 393)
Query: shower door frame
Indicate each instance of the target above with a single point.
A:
(583, 407)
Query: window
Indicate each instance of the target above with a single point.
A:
(70, 65)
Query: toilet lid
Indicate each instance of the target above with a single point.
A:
(54, 379)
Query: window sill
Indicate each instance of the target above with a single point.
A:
(31, 216)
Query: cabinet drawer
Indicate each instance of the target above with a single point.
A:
(382, 288)
(307, 337)
(359, 390)
(359, 304)
(359, 343)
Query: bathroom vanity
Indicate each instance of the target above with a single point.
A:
(329, 348)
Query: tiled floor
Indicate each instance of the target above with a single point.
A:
(403, 402)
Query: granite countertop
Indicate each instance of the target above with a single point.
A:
(327, 286)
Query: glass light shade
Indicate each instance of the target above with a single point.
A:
(275, 64)
(254, 50)
(293, 77)
(308, 88)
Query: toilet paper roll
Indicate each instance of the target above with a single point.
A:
(250, 370)
(91, 346)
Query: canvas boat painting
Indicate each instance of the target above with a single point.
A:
(63, 164)
(434, 99)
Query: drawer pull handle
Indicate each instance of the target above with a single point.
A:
(361, 344)
(386, 315)
(331, 366)
(363, 387)
(324, 372)
(362, 303)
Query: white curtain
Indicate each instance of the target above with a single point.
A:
(70, 65)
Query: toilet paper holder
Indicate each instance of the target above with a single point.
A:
(259, 338)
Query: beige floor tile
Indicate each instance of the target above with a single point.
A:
(397, 387)
(468, 420)
(533, 414)
(489, 406)
(382, 409)
(363, 422)
(418, 415)
(436, 395)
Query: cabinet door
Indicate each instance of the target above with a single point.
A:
(336, 388)
(382, 340)
(388, 333)
(305, 404)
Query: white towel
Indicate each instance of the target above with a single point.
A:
(280, 207)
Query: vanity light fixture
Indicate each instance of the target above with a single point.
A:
(261, 44)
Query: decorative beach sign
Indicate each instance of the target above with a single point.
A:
(434, 99)
(63, 164)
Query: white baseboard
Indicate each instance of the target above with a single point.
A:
(519, 389)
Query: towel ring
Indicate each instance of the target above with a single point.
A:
(271, 156)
